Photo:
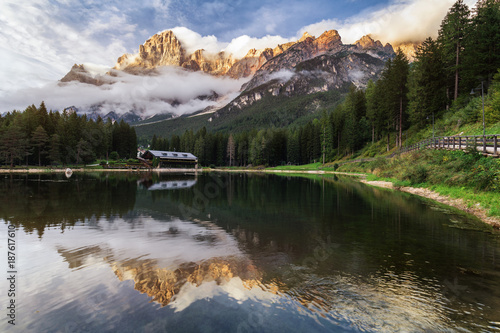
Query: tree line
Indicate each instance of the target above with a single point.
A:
(40, 137)
(445, 69)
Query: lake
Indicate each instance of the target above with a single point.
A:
(240, 253)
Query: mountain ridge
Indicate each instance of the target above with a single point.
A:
(308, 65)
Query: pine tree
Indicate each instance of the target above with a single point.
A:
(452, 36)
(39, 140)
(427, 92)
(231, 148)
(55, 149)
(482, 53)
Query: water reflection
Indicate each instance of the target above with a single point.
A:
(248, 253)
(177, 182)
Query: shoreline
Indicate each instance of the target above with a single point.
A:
(475, 210)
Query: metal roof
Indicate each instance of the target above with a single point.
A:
(172, 155)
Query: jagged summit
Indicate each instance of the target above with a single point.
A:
(309, 65)
(304, 36)
(165, 49)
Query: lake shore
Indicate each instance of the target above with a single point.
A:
(475, 209)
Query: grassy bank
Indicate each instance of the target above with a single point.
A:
(468, 176)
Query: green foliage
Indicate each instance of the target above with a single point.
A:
(114, 156)
(36, 136)
(416, 174)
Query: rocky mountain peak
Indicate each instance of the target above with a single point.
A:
(367, 43)
(165, 49)
(162, 49)
(304, 36)
(81, 74)
(328, 40)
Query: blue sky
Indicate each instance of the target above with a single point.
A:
(41, 39)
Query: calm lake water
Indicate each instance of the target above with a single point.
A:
(241, 253)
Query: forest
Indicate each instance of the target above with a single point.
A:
(40, 137)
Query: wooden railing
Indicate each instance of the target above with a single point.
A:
(486, 144)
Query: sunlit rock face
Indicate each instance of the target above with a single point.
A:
(164, 49)
(409, 49)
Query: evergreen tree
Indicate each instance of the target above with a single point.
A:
(55, 149)
(482, 53)
(452, 36)
(231, 149)
(39, 140)
(14, 144)
(427, 92)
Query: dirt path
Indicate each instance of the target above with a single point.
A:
(476, 210)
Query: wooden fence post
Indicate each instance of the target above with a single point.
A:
(495, 145)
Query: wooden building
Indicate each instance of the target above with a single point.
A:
(171, 159)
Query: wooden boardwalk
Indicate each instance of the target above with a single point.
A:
(487, 144)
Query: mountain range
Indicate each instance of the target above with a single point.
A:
(307, 66)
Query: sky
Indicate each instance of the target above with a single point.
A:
(41, 39)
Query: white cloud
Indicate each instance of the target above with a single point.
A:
(38, 46)
(240, 46)
(193, 41)
(146, 94)
(283, 75)
(401, 21)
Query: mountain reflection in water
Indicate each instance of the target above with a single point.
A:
(257, 253)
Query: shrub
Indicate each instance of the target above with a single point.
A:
(416, 175)
(114, 156)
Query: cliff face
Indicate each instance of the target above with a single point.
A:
(165, 49)
(314, 65)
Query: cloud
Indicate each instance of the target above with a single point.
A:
(41, 40)
(283, 75)
(401, 21)
(171, 91)
(192, 41)
(240, 46)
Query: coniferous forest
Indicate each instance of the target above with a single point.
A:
(40, 137)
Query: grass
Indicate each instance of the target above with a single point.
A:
(311, 166)
(469, 176)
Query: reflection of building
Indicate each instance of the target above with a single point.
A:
(172, 182)
(172, 185)
(170, 159)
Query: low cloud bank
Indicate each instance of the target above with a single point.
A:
(172, 90)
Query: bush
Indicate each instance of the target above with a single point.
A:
(114, 156)
(416, 175)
